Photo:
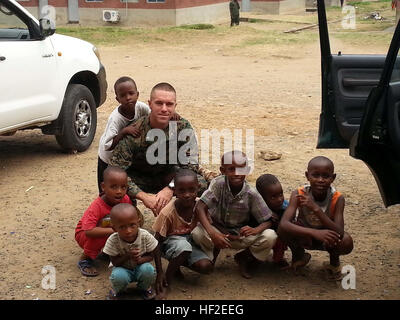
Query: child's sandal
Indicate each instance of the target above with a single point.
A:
(332, 273)
(149, 294)
(85, 265)
(298, 264)
(112, 295)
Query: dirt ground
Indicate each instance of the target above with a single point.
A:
(273, 89)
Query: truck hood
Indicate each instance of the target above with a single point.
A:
(61, 42)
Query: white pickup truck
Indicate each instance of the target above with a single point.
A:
(47, 81)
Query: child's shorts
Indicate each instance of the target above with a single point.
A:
(174, 245)
(310, 243)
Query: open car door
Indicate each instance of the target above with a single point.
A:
(361, 108)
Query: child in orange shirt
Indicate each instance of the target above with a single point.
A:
(320, 223)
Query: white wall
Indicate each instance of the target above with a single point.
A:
(214, 13)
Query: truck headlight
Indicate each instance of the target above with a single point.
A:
(96, 52)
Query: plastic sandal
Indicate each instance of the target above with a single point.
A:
(84, 264)
(112, 295)
(332, 273)
(149, 294)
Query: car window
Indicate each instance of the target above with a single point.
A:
(11, 26)
(396, 70)
(361, 27)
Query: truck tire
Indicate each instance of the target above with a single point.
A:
(78, 119)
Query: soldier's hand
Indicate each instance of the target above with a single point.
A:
(149, 200)
(163, 197)
(133, 131)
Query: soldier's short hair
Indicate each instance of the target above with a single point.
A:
(165, 86)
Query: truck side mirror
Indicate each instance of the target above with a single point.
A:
(47, 27)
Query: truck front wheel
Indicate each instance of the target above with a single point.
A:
(78, 118)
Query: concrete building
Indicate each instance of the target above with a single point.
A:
(150, 12)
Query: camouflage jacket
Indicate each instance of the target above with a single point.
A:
(156, 151)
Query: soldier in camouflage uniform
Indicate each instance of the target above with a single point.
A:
(234, 8)
(151, 165)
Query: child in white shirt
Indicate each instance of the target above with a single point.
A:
(128, 111)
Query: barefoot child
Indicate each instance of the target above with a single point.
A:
(175, 223)
(94, 228)
(131, 249)
(229, 202)
(320, 223)
(271, 190)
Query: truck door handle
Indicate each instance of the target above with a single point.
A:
(2, 58)
(351, 82)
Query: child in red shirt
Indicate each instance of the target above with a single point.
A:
(94, 228)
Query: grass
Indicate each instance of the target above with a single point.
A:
(200, 26)
(268, 32)
(274, 37)
(367, 32)
(117, 35)
(363, 9)
(363, 38)
(105, 35)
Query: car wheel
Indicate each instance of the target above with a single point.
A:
(78, 118)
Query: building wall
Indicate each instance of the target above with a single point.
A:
(129, 17)
(132, 4)
(213, 13)
(288, 6)
(171, 12)
(276, 6)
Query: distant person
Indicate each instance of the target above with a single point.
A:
(94, 228)
(173, 227)
(224, 211)
(234, 8)
(131, 249)
(271, 190)
(151, 170)
(320, 222)
(129, 110)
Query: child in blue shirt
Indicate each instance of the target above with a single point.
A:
(270, 189)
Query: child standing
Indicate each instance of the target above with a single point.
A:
(175, 223)
(128, 111)
(320, 222)
(271, 190)
(94, 228)
(224, 211)
(131, 249)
